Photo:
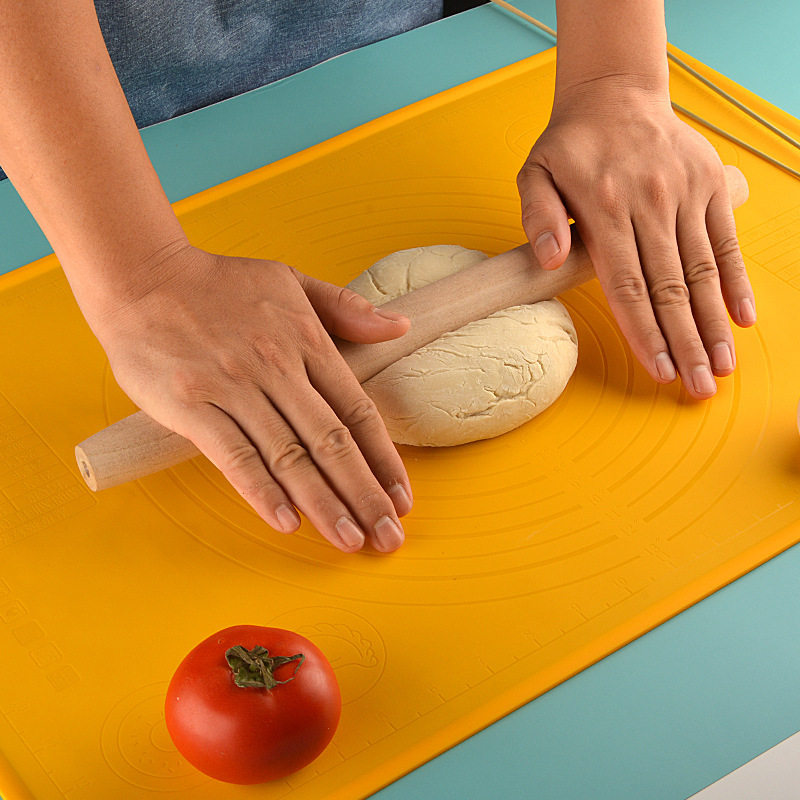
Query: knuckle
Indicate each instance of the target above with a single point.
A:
(651, 339)
(714, 333)
(534, 209)
(700, 270)
(234, 368)
(709, 169)
(669, 291)
(189, 386)
(348, 300)
(273, 353)
(727, 250)
(657, 191)
(530, 169)
(611, 197)
(240, 458)
(362, 412)
(310, 330)
(257, 488)
(335, 443)
(373, 497)
(326, 506)
(268, 349)
(691, 352)
(284, 275)
(628, 286)
(288, 456)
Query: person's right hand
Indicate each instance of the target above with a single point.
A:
(230, 353)
(233, 354)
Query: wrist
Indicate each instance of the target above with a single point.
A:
(611, 94)
(106, 296)
(615, 44)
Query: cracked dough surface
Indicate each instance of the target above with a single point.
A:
(479, 381)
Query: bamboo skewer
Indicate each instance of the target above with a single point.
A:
(707, 82)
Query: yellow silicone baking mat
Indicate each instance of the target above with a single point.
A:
(527, 557)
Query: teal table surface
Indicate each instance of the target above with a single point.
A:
(700, 695)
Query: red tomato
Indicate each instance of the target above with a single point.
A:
(253, 734)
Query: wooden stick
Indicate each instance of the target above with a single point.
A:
(733, 101)
(736, 140)
(527, 17)
(137, 445)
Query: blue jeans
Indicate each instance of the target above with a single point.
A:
(174, 56)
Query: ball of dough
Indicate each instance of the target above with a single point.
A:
(407, 270)
(479, 381)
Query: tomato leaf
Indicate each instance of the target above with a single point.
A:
(255, 668)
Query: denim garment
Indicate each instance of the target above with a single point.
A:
(174, 56)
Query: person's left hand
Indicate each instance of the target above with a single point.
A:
(650, 201)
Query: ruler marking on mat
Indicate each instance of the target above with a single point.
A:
(37, 490)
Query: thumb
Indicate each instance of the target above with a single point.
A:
(349, 316)
(544, 217)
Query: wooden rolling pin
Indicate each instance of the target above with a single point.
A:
(137, 445)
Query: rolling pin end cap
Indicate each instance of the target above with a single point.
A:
(86, 468)
(737, 185)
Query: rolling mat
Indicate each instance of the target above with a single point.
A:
(527, 557)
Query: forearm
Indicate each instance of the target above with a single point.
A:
(620, 41)
(70, 145)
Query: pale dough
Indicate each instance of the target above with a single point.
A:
(479, 381)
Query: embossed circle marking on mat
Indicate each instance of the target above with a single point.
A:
(574, 483)
(349, 228)
(352, 644)
(137, 747)
(523, 132)
(534, 536)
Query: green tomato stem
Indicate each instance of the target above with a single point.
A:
(255, 668)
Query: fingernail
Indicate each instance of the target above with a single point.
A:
(722, 356)
(747, 311)
(349, 533)
(402, 502)
(546, 247)
(390, 315)
(390, 534)
(665, 367)
(287, 517)
(703, 380)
